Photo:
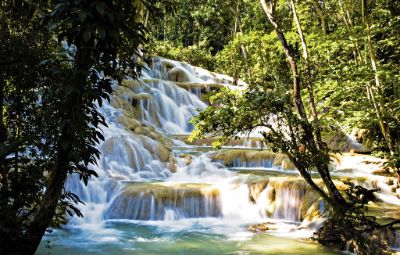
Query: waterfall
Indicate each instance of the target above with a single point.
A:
(157, 201)
(279, 198)
(149, 174)
(137, 148)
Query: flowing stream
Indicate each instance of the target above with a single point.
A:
(157, 194)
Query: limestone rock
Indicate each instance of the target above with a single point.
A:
(262, 227)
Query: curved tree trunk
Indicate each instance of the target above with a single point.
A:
(58, 174)
(334, 198)
(308, 82)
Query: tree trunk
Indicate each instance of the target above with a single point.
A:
(307, 177)
(321, 16)
(58, 175)
(307, 79)
(239, 28)
(378, 104)
(146, 19)
(296, 95)
(335, 199)
(322, 168)
(2, 126)
(3, 135)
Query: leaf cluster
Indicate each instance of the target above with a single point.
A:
(59, 60)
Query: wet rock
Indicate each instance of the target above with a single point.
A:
(284, 162)
(255, 188)
(286, 198)
(129, 123)
(262, 227)
(163, 153)
(132, 84)
(152, 201)
(359, 134)
(384, 171)
(252, 158)
(139, 130)
(172, 167)
(177, 75)
(119, 149)
(187, 157)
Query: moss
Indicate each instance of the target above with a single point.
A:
(151, 200)
(228, 156)
(164, 190)
(255, 188)
(204, 87)
(262, 227)
(283, 161)
(250, 141)
(177, 75)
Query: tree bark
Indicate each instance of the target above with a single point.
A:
(307, 177)
(307, 79)
(322, 168)
(58, 175)
(146, 20)
(335, 199)
(321, 16)
(3, 135)
(378, 103)
(2, 126)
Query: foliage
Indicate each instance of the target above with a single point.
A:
(263, 51)
(49, 98)
(49, 93)
(339, 59)
(23, 161)
(344, 75)
(192, 22)
(274, 107)
(197, 55)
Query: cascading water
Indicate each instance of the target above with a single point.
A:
(155, 189)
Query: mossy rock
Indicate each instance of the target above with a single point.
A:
(177, 75)
(261, 227)
(228, 156)
(147, 201)
(129, 123)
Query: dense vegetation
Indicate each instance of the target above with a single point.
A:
(312, 66)
(58, 62)
(352, 58)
